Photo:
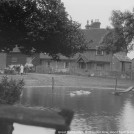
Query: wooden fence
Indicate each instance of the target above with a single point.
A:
(98, 73)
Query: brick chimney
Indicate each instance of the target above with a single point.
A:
(87, 26)
(94, 24)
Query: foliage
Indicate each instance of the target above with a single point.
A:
(10, 90)
(121, 36)
(15, 69)
(12, 69)
(39, 26)
(29, 69)
(9, 71)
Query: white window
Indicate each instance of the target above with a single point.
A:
(99, 52)
(66, 65)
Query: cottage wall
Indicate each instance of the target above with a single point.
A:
(116, 64)
(16, 58)
(133, 65)
(120, 66)
(94, 66)
(97, 62)
(127, 66)
(91, 66)
(107, 66)
(92, 56)
(51, 66)
(2, 60)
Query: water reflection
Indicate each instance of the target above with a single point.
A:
(98, 111)
(23, 129)
(127, 116)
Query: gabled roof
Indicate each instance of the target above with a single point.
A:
(16, 50)
(82, 57)
(61, 57)
(122, 57)
(95, 35)
(91, 57)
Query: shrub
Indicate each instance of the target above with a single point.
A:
(9, 71)
(10, 90)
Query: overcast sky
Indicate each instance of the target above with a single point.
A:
(83, 10)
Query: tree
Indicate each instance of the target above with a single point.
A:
(39, 26)
(121, 36)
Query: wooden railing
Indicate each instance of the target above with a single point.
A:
(60, 121)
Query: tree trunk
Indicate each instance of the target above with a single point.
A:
(6, 128)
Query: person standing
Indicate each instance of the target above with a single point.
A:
(21, 69)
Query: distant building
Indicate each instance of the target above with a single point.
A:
(133, 64)
(121, 62)
(48, 65)
(17, 58)
(3, 58)
(91, 62)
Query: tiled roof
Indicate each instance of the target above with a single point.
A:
(85, 59)
(94, 35)
(86, 56)
(122, 57)
(61, 57)
(16, 49)
(90, 57)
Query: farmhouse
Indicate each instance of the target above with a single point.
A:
(92, 62)
(17, 58)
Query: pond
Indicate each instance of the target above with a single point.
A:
(95, 111)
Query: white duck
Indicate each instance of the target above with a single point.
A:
(80, 92)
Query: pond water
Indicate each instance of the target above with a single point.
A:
(98, 111)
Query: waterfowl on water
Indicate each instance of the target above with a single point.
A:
(80, 92)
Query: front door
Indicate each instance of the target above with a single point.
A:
(123, 66)
(82, 65)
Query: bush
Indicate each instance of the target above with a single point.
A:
(9, 71)
(10, 90)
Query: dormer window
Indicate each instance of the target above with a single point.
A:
(99, 52)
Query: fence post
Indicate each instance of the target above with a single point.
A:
(115, 84)
(52, 83)
(131, 75)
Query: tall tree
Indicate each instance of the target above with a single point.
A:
(121, 36)
(39, 26)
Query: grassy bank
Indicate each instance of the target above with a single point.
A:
(34, 79)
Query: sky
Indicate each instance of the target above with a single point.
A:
(83, 10)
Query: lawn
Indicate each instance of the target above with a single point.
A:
(33, 79)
